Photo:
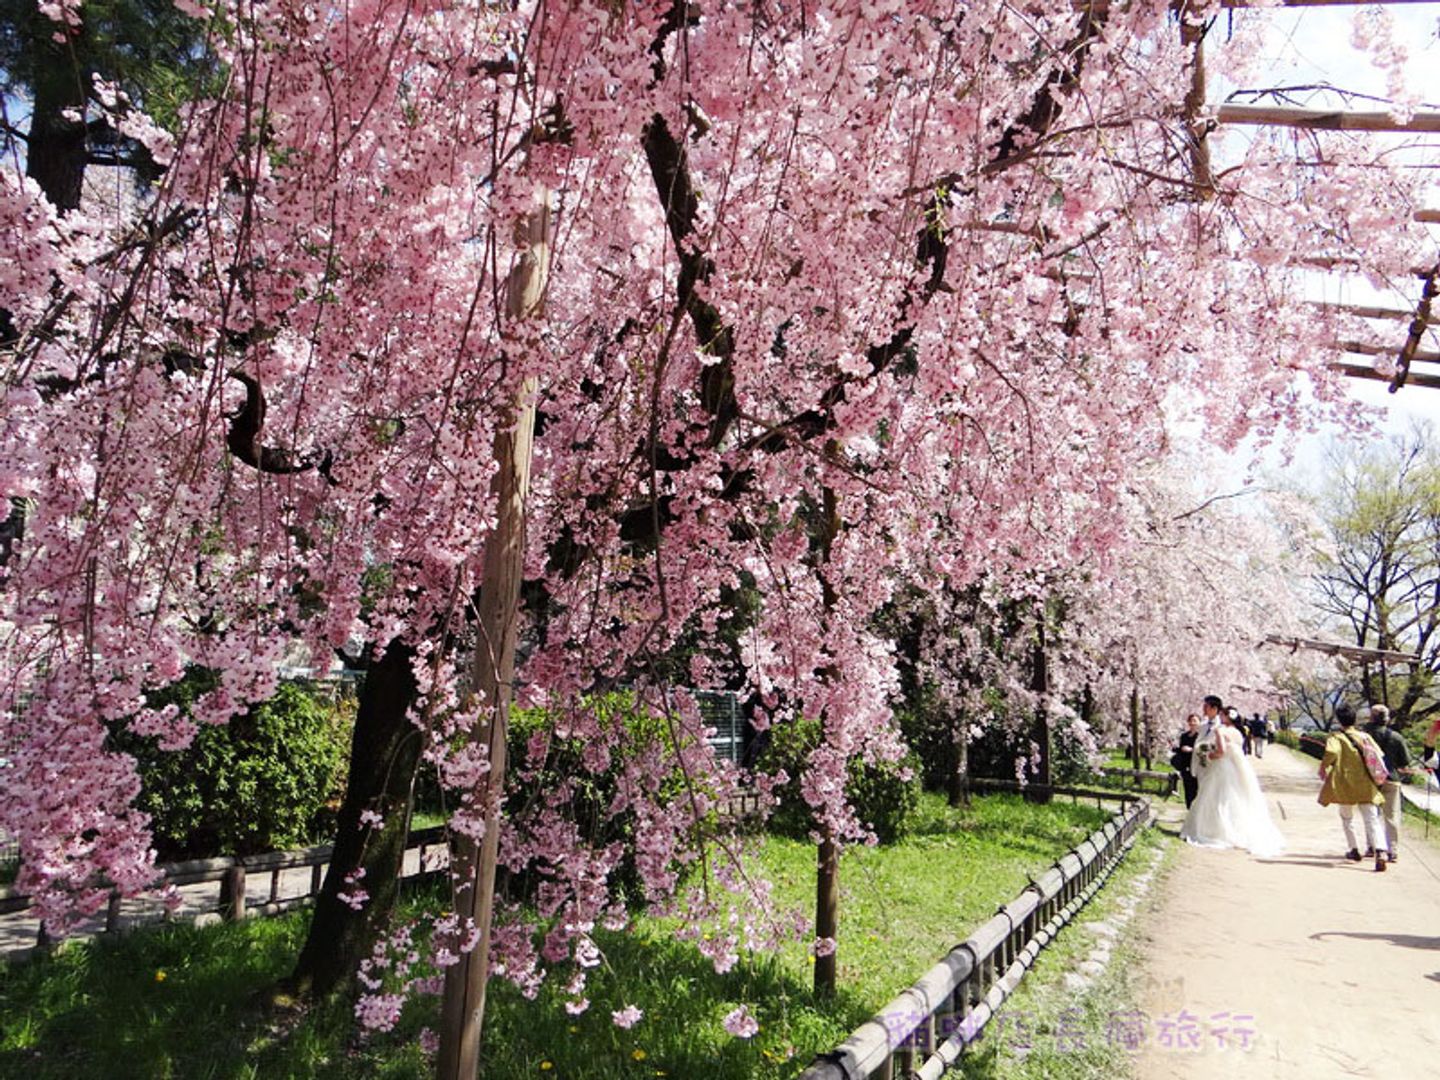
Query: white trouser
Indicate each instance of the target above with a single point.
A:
(1370, 815)
(1391, 811)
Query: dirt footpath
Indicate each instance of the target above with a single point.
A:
(1305, 966)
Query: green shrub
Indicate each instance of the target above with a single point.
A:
(884, 794)
(994, 753)
(590, 795)
(1288, 738)
(929, 730)
(267, 780)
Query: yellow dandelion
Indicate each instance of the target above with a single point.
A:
(160, 975)
(546, 1066)
(638, 1054)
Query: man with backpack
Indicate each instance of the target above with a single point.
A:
(1348, 780)
(1397, 759)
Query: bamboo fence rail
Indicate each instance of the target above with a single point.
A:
(924, 1030)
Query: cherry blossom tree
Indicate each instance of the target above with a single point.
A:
(832, 294)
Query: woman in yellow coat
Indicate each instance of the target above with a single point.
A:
(1346, 782)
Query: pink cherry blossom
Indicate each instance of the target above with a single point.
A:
(627, 1017)
(740, 1023)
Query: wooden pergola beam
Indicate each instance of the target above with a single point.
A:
(1099, 6)
(1365, 348)
(1335, 648)
(1364, 311)
(1324, 119)
(1360, 371)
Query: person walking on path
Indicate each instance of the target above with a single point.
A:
(1346, 782)
(1397, 760)
(1257, 735)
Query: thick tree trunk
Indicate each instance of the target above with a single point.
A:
(1146, 731)
(827, 913)
(384, 756)
(959, 786)
(55, 152)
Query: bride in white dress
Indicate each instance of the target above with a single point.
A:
(1230, 809)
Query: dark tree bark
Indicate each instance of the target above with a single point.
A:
(55, 154)
(958, 787)
(1040, 776)
(827, 856)
(384, 756)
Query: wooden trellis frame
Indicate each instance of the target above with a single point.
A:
(1358, 653)
(1203, 119)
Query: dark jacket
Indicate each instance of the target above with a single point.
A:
(1180, 759)
(1397, 755)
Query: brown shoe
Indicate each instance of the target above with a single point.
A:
(1379, 864)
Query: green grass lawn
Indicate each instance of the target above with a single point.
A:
(180, 1002)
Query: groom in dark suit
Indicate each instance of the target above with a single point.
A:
(1205, 741)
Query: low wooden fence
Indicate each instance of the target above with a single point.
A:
(1074, 794)
(922, 1033)
(1162, 783)
(236, 878)
(237, 895)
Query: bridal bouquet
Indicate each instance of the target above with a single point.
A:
(1204, 747)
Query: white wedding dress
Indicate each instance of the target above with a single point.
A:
(1229, 811)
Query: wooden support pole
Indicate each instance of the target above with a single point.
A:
(827, 864)
(1193, 35)
(1411, 350)
(473, 863)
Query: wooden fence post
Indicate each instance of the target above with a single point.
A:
(232, 894)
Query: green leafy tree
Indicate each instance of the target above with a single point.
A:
(1380, 580)
(147, 49)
